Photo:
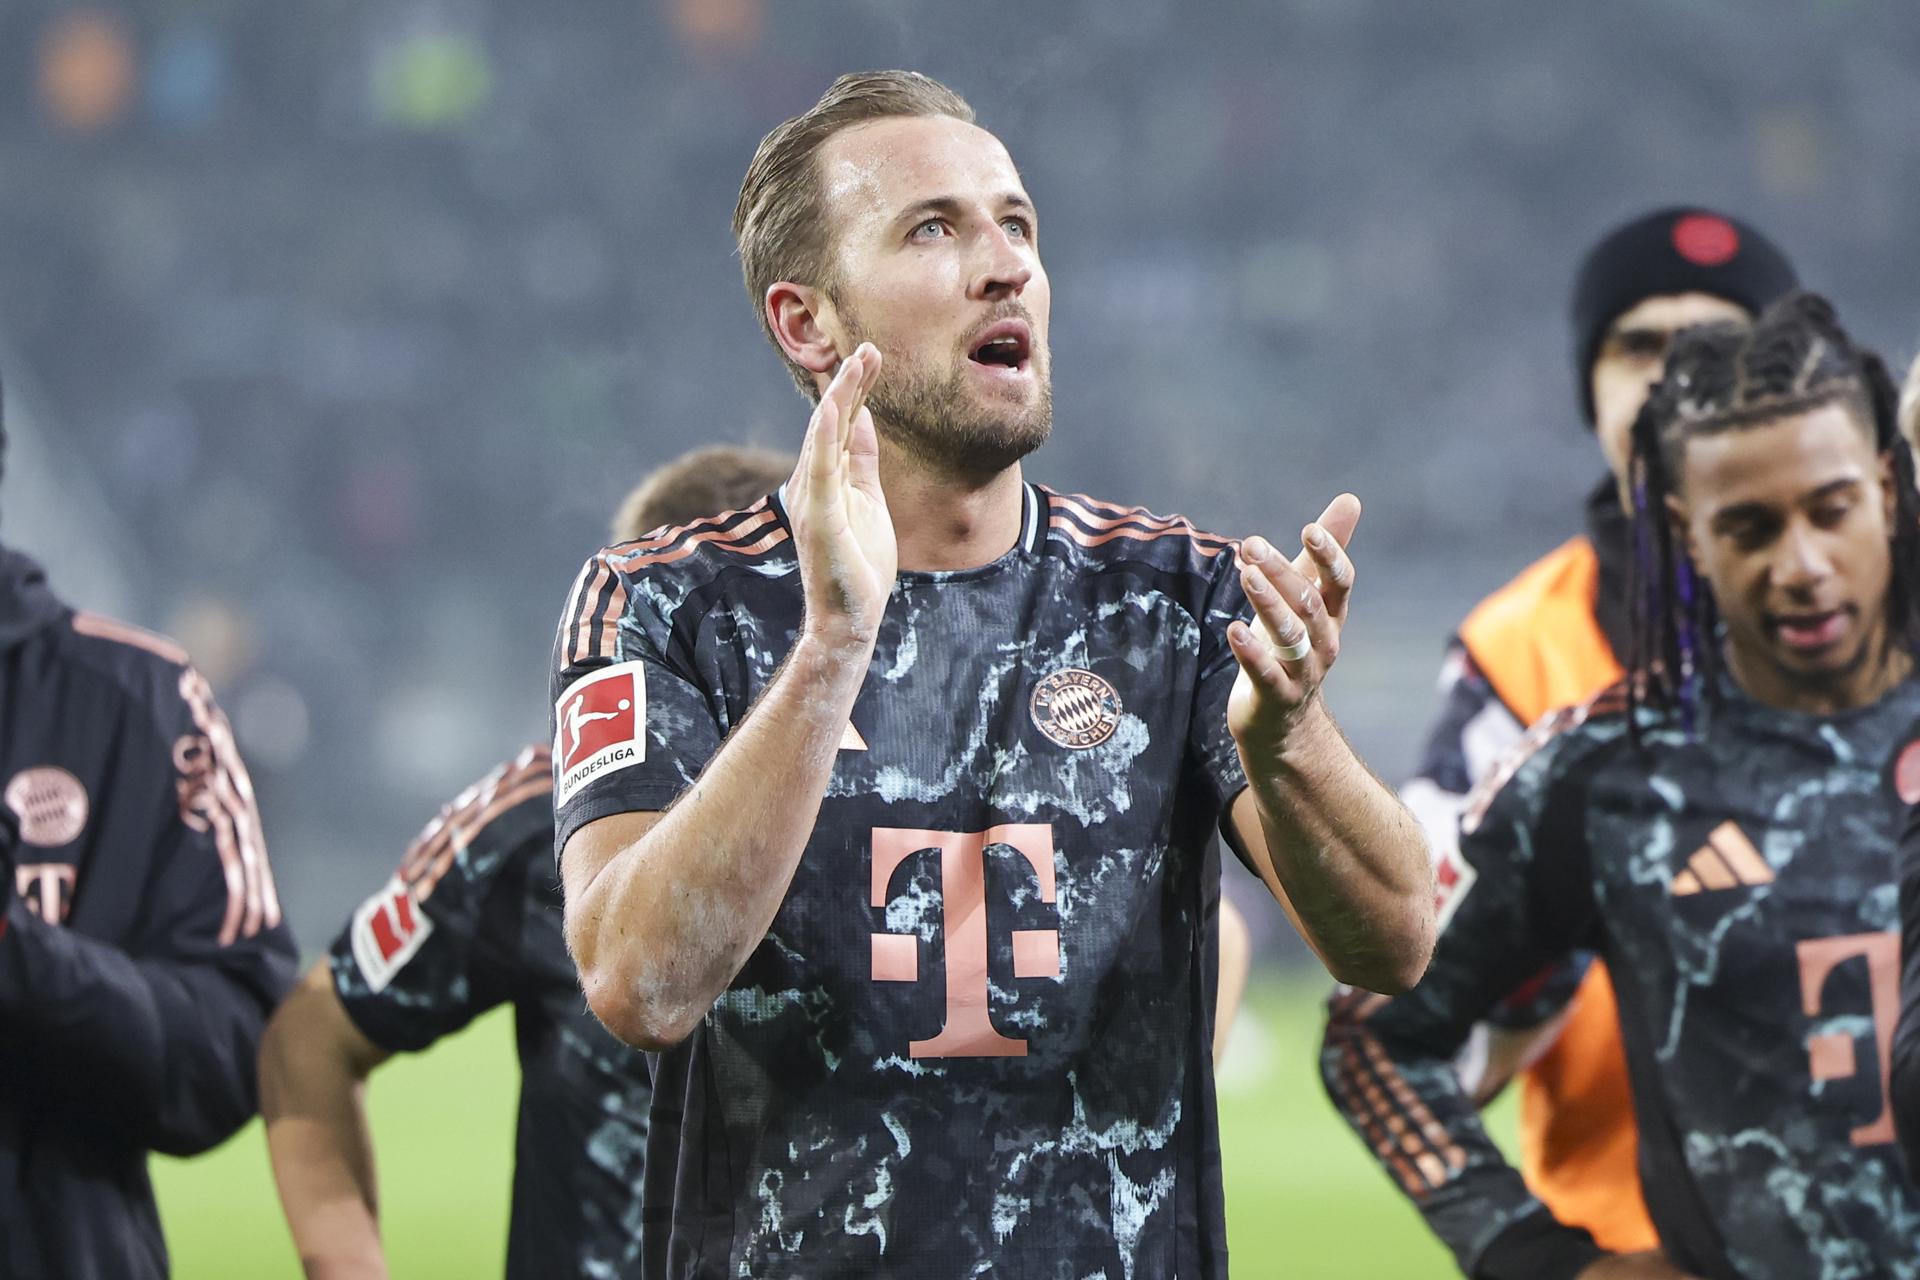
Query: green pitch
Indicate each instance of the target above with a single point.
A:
(1304, 1202)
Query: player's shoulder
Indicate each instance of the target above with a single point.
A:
(755, 535)
(116, 660)
(1566, 744)
(1101, 534)
(655, 576)
(503, 819)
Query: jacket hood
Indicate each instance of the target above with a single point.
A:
(27, 603)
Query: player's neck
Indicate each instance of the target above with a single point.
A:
(944, 521)
(1882, 665)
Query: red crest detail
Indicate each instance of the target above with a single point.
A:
(1705, 240)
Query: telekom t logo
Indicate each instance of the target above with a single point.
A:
(968, 1031)
(1832, 1056)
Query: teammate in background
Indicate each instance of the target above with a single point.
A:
(920, 941)
(1906, 1045)
(472, 920)
(141, 946)
(1720, 829)
(1556, 636)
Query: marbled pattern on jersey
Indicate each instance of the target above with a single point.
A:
(841, 1111)
(1740, 884)
(473, 920)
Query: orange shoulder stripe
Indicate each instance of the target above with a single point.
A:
(1106, 515)
(740, 540)
(101, 627)
(672, 533)
(600, 598)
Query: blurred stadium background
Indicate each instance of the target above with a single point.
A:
(332, 333)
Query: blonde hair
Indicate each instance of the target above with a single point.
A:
(704, 482)
(781, 223)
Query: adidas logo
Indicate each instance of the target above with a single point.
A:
(1726, 861)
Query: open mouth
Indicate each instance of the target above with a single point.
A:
(1006, 345)
(1812, 631)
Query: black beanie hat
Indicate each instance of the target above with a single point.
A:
(1680, 250)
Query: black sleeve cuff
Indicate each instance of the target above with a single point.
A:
(1538, 1247)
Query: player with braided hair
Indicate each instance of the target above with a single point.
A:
(1719, 828)
(1724, 379)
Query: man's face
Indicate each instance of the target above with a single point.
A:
(1790, 522)
(1630, 359)
(936, 262)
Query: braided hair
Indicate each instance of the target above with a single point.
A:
(1727, 377)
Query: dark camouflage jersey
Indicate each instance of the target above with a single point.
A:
(472, 920)
(1906, 1044)
(1740, 884)
(975, 1040)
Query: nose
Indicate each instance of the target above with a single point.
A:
(1800, 560)
(1004, 269)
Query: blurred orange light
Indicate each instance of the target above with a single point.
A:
(719, 26)
(86, 70)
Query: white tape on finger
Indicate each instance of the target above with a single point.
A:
(1295, 651)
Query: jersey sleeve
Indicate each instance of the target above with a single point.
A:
(633, 725)
(1210, 744)
(1520, 898)
(440, 943)
(1906, 1039)
(159, 1038)
(1472, 733)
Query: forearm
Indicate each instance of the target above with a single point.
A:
(666, 921)
(1388, 1069)
(1344, 854)
(313, 1070)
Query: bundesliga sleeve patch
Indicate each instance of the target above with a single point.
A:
(388, 929)
(598, 727)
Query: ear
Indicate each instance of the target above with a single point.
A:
(1890, 484)
(804, 325)
(1682, 527)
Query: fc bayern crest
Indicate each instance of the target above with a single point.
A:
(50, 803)
(1075, 708)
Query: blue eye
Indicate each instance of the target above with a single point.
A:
(939, 228)
(1015, 227)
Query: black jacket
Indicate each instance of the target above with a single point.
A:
(141, 948)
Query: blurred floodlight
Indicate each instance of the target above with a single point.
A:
(719, 26)
(270, 720)
(432, 79)
(86, 69)
(186, 78)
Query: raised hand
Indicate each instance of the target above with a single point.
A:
(842, 532)
(1299, 609)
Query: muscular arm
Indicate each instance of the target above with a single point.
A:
(663, 909)
(1342, 856)
(314, 1065)
(1336, 847)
